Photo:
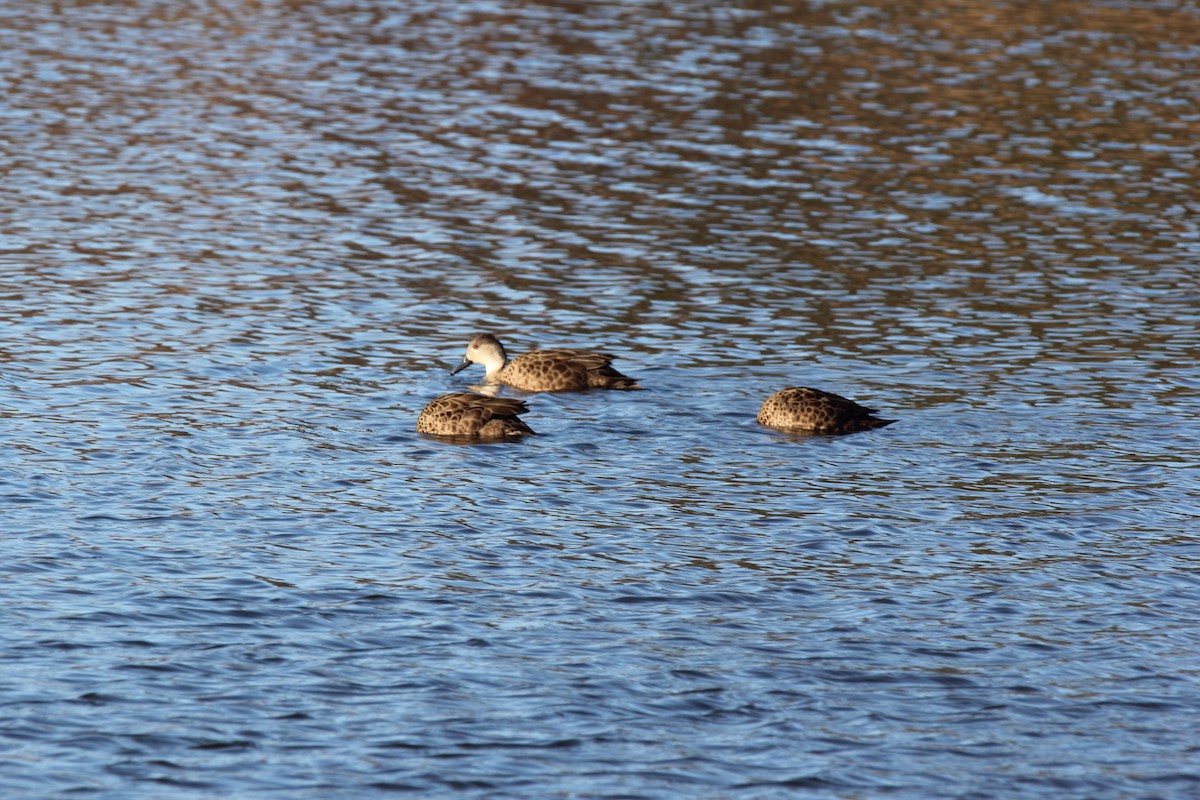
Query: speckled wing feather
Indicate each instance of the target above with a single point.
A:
(804, 409)
(473, 416)
(563, 370)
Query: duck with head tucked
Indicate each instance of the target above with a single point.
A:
(466, 415)
(543, 370)
(801, 409)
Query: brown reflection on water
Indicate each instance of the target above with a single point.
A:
(985, 186)
(783, 123)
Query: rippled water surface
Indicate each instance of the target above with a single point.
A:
(242, 244)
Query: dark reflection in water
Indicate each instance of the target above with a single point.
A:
(242, 244)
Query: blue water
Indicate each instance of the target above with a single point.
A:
(242, 245)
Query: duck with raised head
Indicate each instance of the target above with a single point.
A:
(813, 411)
(558, 370)
(467, 415)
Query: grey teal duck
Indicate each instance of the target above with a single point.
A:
(814, 411)
(544, 370)
(467, 415)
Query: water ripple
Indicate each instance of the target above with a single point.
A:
(242, 246)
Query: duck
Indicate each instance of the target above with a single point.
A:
(813, 411)
(468, 415)
(559, 370)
